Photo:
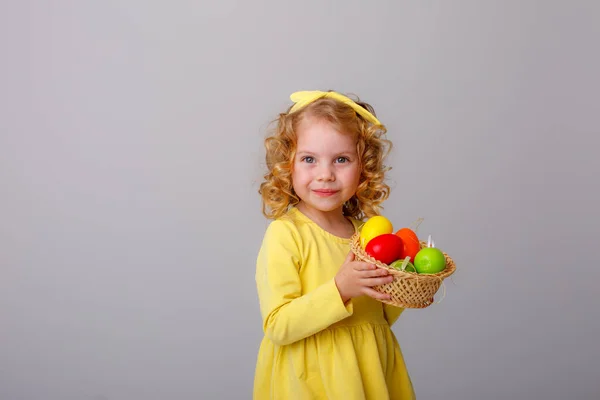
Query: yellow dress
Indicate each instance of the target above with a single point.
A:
(315, 346)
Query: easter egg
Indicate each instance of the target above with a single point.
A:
(398, 265)
(385, 248)
(375, 226)
(407, 233)
(411, 242)
(430, 260)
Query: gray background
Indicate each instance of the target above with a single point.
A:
(131, 153)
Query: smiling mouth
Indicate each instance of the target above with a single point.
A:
(325, 192)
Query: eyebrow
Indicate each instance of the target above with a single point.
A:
(341, 153)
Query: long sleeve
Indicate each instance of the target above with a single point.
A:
(391, 313)
(289, 316)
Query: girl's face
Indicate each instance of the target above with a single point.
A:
(326, 169)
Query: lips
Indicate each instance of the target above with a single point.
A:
(325, 192)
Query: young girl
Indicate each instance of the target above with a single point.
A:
(326, 334)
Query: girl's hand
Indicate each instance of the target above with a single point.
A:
(356, 278)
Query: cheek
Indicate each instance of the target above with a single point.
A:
(300, 174)
(353, 175)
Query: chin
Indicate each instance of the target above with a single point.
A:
(325, 206)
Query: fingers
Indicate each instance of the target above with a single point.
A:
(377, 281)
(363, 266)
(373, 273)
(350, 257)
(376, 295)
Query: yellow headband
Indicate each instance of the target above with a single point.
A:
(304, 98)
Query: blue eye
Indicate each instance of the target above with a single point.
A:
(341, 160)
(308, 159)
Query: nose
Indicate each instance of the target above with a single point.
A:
(326, 173)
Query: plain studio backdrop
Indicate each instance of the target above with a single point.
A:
(131, 153)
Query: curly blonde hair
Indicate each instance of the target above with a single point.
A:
(372, 148)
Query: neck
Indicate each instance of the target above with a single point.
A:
(323, 218)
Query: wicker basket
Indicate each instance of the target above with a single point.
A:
(408, 289)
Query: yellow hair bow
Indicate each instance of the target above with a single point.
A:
(304, 98)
